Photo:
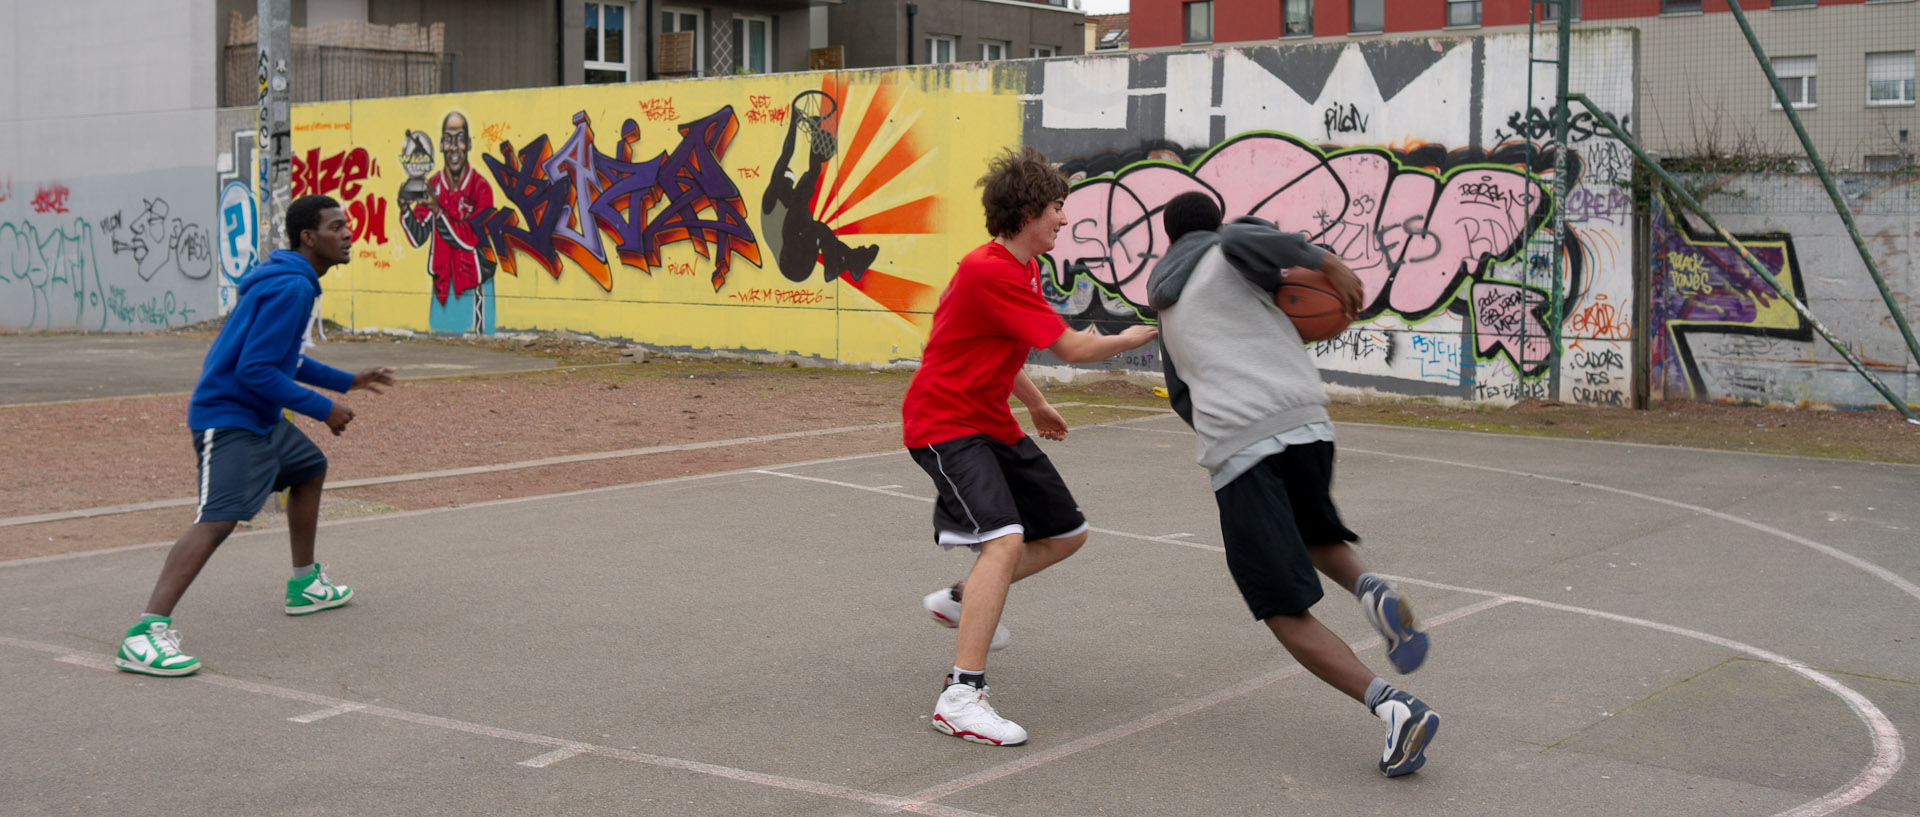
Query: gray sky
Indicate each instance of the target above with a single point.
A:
(1104, 6)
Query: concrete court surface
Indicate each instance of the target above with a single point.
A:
(1618, 630)
(49, 368)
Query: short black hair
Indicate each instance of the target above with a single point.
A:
(304, 214)
(1189, 212)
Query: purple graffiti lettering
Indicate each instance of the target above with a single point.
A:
(570, 197)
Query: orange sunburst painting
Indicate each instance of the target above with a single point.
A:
(876, 186)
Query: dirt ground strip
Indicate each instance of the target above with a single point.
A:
(115, 452)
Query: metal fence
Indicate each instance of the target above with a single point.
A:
(322, 73)
(1848, 71)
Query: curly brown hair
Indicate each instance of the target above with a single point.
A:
(1019, 185)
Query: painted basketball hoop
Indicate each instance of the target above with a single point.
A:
(815, 110)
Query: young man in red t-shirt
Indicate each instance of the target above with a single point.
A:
(999, 495)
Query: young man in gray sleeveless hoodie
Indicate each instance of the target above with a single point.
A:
(1239, 374)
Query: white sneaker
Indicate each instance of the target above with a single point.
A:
(152, 647)
(946, 612)
(964, 713)
(1411, 724)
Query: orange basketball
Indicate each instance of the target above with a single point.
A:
(1316, 310)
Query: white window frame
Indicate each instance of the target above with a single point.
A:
(1043, 51)
(1801, 71)
(1892, 70)
(699, 33)
(625, 64)
(991, 50)
(743, 26)
(1186, 21)
(934, 41)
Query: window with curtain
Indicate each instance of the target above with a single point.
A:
(1798, 76)
(1296, 18)
(1890, 78)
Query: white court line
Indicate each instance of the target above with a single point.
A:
(1170, 539)
(1889, 752)
(1888, 758)
(1881, 573)
(1179, 710)
(323, 714)
(569, 459)
(550, 758)
(1877, 571)
(557, 745)
(387, 517)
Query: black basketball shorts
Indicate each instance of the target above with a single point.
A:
(1268, 517)
(989, 489)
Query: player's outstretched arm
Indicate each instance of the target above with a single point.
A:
(1089, 346)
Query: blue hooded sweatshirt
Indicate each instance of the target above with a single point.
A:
(251, 370)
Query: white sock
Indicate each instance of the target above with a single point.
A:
(302, 571)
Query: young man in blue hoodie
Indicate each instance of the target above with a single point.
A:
(1239, 374)
(247, 449)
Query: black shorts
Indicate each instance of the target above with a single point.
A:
(1268, 517)
(240, 469)
(989, 489)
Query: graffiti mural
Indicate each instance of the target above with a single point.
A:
(239, 238)
(568, 198)
(821, 214)
(797, 236)
(113, 254)
(1709, 307)
(157, 243)
(1412, 235)
(438, 211)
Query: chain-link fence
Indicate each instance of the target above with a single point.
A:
(1847, 70)
(328, 72)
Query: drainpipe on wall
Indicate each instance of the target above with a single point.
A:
(912, 9)
(650, 35)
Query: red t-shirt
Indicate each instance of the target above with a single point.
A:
(989, 317)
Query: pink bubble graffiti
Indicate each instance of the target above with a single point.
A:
(1411, 235)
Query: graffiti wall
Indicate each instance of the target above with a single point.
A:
(122, 253)
(106, 222)
(1403, 157)
(819, 215)
(815, 215)
(1718, 331)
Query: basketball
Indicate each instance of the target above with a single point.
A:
(1316, 310)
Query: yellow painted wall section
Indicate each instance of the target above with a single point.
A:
(815, 214)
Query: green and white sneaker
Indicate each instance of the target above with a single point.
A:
(311, 592)
(152, 647)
